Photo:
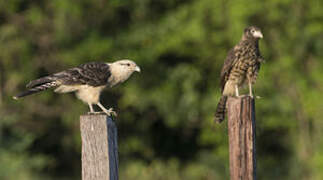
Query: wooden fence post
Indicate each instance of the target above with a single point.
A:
(242, 138)
(99, 148)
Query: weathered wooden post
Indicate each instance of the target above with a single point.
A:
(242, 138)
(99, 148)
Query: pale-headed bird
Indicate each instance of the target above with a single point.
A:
(86, 80)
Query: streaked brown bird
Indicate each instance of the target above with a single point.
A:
(240, 68)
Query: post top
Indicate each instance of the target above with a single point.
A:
(96, 115)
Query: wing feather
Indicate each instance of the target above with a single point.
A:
(93, 74)
(227, 66)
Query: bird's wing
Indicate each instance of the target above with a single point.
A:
(229, 62)
(93, 74)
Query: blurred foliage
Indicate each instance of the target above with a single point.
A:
(165, 122)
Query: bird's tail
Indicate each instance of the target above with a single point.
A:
(36, 89)
(221, 109)
(41, 81)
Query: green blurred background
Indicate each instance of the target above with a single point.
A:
(165, 123)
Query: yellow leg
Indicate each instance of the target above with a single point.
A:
(91, 108)
(237, 90)
(250, 89)
(109, 112)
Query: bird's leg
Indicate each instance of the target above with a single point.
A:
(250, 89)
(109, 112)
(91, 108)
(237, 90)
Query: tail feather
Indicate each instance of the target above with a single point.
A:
(221, 109)
(36, 89)
(40, 81)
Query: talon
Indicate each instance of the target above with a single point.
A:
(110, 112)
(94, 113)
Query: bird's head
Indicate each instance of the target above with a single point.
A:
(121, 70)
(127, 65)
(252, 32)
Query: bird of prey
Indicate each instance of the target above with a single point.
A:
(87, 80)
(240, 68)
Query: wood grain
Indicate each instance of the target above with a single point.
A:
(242, 138)
(99, 148)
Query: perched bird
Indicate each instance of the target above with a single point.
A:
(240, 67)
(87, 80)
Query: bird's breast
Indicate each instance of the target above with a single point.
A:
(89, 94)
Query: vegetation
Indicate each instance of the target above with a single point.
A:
(165, 121)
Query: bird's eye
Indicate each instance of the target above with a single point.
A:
(252, 30)
(128, 64)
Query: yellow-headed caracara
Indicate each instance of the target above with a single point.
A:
(86, 80)
(240, 68)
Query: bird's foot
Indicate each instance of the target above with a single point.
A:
(110, 112)
(257, 97)
(241, 96)
(245, 95)
(94, 113)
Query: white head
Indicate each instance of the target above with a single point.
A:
(121, 70)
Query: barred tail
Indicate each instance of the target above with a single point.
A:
(220, 110)
(41, 81)
(36, 89)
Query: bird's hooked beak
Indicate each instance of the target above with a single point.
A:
(137, 68)
(257, 34)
